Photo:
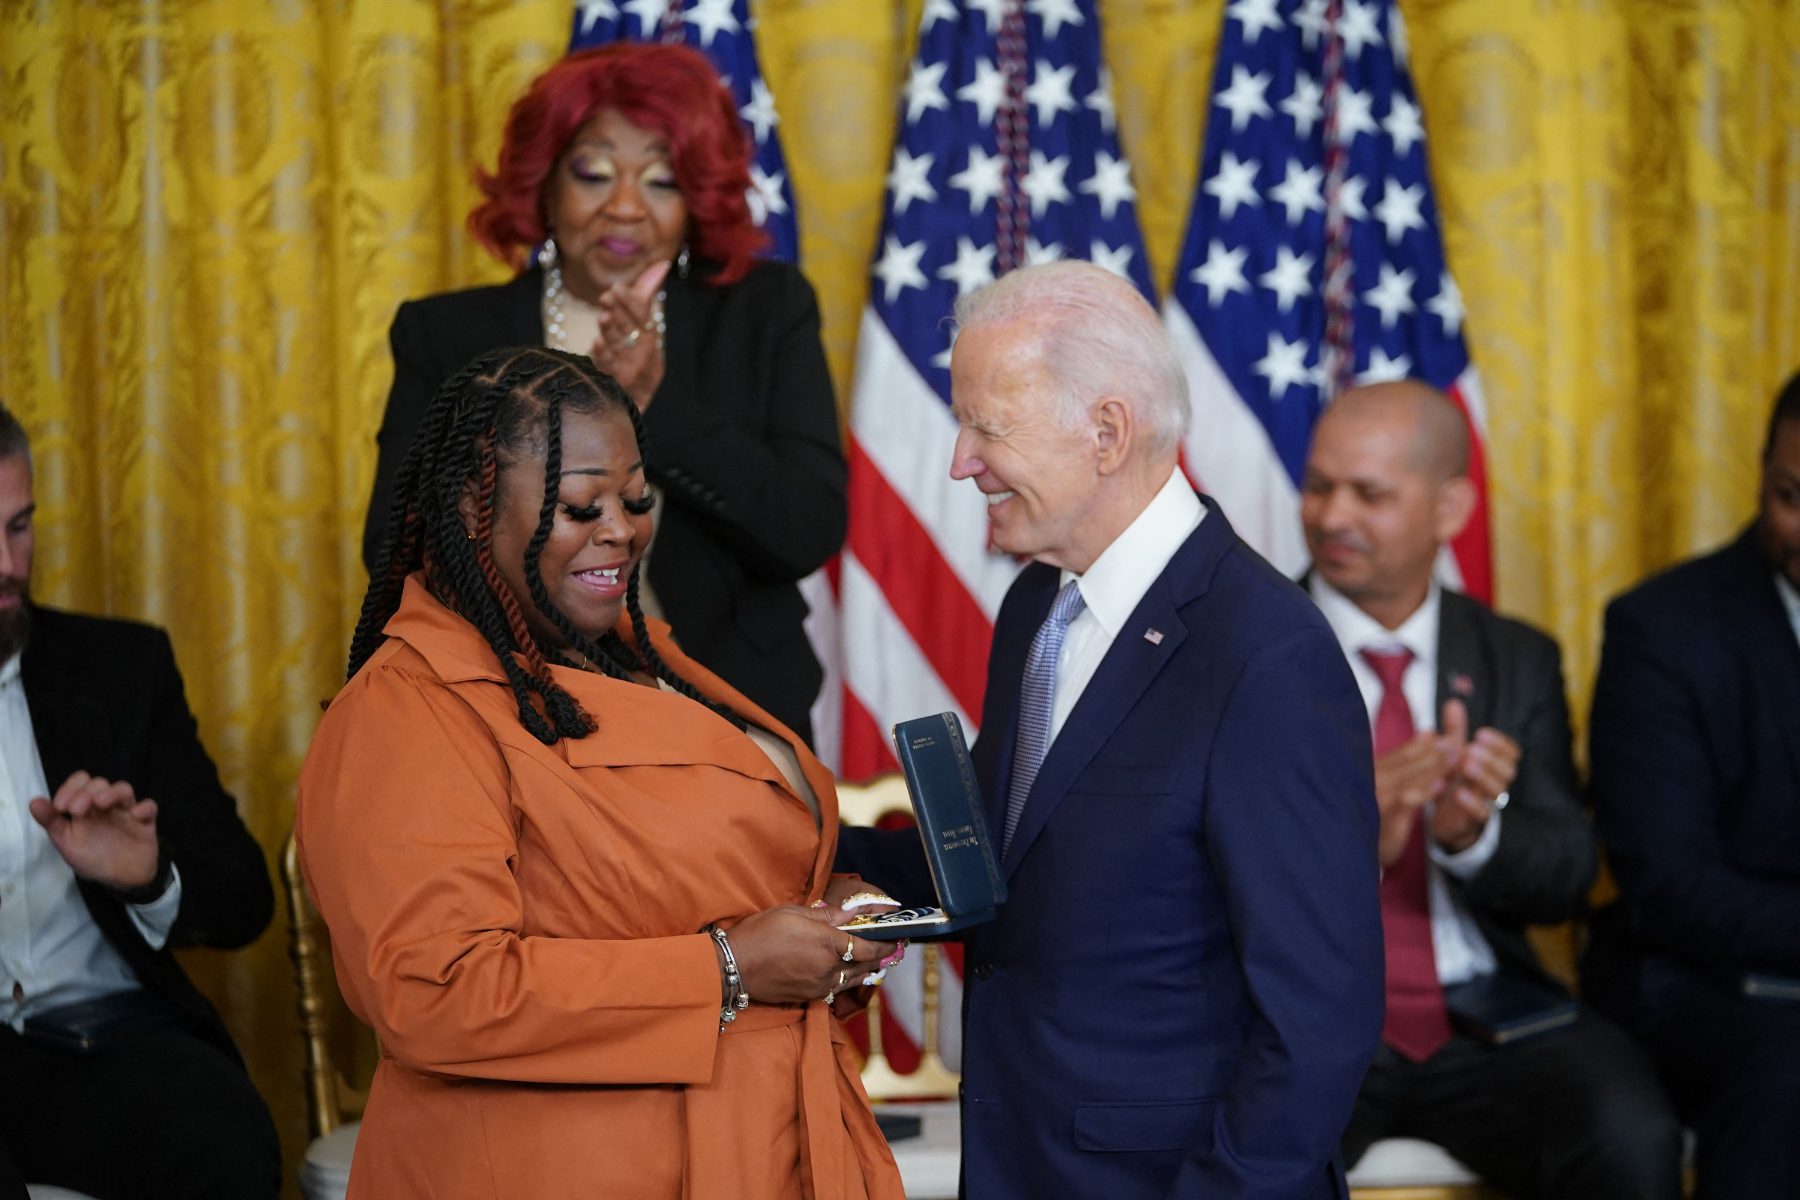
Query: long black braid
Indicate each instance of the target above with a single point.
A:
(502, 403)
(399, 554)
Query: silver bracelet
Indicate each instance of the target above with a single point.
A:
(736, 998)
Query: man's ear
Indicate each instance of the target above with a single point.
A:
(1114, 433)
(1455, 505)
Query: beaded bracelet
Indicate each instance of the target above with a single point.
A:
(736, 998)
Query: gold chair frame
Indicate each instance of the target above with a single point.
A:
(331, 1099)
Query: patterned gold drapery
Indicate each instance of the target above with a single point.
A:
(208, 212)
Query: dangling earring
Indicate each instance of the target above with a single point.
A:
(681, 261)
(545, 254)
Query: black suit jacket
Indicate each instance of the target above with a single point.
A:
(106, 698)
(744, 444)
(1510, 677)
(1695, 750)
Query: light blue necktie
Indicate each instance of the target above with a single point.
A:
(1037, 694)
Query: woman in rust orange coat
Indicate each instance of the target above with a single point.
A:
(578, 885)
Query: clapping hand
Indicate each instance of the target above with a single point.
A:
(102, 830)
(629, 347)
(1483, 768)
(1406, 779)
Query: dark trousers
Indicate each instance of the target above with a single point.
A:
(1575, 1114)
(161, 1114)
(1732, 1063)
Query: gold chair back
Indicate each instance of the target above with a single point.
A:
(331, 1035)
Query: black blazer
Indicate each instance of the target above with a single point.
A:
(1695, 750)
(1510, 677)
(106, 698)
(743, 442)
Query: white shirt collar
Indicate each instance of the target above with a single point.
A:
(1790, 598)
(1356, 630)
(9, 670)
(1116, 582)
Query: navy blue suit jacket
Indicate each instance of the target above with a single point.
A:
(1695, 750)
(1184, 988)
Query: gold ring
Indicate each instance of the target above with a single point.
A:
(849, 954)
(831, 995)
(633, 339)
(842, 975)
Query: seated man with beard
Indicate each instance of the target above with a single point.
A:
(117, 843)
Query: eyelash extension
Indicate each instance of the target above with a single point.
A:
(591, 512)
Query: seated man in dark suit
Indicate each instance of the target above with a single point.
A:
(1182, 990)
(1482, 830)
(116, 843)
(1696, 784)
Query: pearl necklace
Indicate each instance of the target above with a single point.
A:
(556, 332)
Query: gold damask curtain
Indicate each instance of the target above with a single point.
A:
(208, 211)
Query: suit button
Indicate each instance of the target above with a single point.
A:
(984, 970)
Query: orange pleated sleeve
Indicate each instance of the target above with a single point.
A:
(519, 923)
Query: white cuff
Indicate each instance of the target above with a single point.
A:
(155, 919)
(1464, 863)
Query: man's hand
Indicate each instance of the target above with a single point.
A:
(102, 830)
(1406, 778)
(1484, 767)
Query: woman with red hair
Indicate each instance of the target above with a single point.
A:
(620, 194)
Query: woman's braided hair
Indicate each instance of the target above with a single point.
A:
(504, 406)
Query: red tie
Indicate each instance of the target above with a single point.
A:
(1416, 1024)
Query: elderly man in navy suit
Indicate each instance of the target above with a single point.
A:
(1183, 989)
(1469, 720)
(1696, 782)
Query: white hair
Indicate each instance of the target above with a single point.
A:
(1097, 336)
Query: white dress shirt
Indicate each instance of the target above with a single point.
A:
(51, 952)
(1462, 953)
(1790, 598)
(1114, 585)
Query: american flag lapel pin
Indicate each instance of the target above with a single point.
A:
(1462, 685)
(1153, 636)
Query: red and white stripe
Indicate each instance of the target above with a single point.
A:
(919, 587)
